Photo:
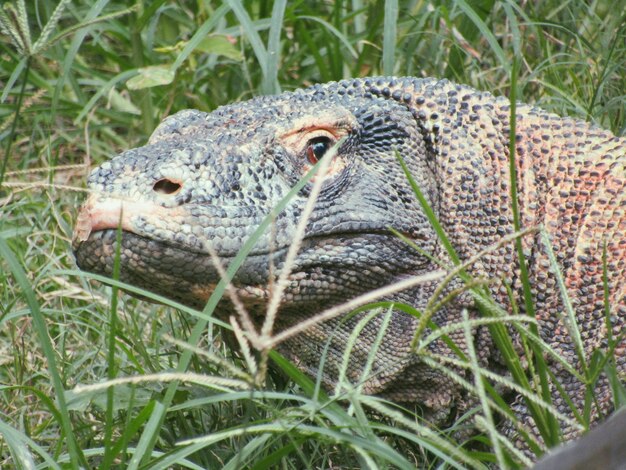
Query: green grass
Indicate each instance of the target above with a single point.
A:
(85, 79)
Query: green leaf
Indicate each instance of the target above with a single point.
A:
(122, 103)
(151, 76)
(126, 396)
(220, 45)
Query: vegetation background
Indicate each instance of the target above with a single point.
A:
(83, 80)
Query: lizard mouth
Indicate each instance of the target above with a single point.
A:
(169, 226)
(186, 272)
(98, 213)
(167, 267)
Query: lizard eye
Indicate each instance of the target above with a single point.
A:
(316, 148)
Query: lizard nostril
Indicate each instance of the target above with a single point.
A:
(167, 186)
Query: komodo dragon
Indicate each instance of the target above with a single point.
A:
(210, 179)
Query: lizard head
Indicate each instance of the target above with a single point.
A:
(205, 181)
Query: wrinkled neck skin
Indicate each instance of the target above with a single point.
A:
(383, 366)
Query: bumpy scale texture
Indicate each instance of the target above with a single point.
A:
(208, 179)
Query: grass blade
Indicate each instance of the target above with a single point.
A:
(72, 52)
(270, 84)
(253, 36)
(390, 31)
(76, 456)
(19, 444)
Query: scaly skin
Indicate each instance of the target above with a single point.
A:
(209, 179)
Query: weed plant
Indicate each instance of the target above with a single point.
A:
(94, 378)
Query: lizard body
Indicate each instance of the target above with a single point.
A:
(210, 178)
